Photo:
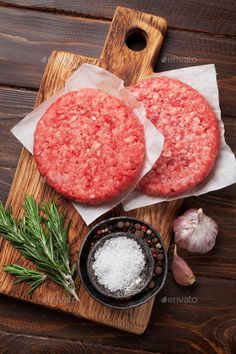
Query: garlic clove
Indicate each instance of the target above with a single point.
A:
(195, 231)
(181, 271)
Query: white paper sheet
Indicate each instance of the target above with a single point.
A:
(203, 79)
(90, 76)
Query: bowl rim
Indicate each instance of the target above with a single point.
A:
(141, 302)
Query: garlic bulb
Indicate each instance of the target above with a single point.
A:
(195, 231)
(181, 272)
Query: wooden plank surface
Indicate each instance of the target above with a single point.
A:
(25, 51)
(204, 323)
(174, 328)
(212, 16)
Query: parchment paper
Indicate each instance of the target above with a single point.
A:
(90, 76)
(203, 79)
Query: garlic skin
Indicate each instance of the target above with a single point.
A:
(181, 271)
(195, 231)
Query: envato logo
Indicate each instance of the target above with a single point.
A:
(56, 300)
(60, 57)
(179, 300)
(183, 60)
(44, 60)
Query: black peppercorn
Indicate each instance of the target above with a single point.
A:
(152, 284)
(160, 257)
(139, 233)
(120, 224)
(158, 270)
(137, 226)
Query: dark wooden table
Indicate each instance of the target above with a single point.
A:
(201, 319)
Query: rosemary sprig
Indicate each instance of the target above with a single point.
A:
(32, 277)
(41, 236)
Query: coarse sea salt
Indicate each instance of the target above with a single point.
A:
(118, 263)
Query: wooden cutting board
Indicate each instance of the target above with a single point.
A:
(127, 26)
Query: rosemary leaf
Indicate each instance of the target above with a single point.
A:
(42, 237)
(22, 274)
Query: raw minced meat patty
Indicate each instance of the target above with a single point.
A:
(191, 133)
(89, 146)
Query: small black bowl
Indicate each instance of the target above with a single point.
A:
(143, 279)
(85, 250)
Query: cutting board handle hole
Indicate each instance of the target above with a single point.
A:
(136, 39)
